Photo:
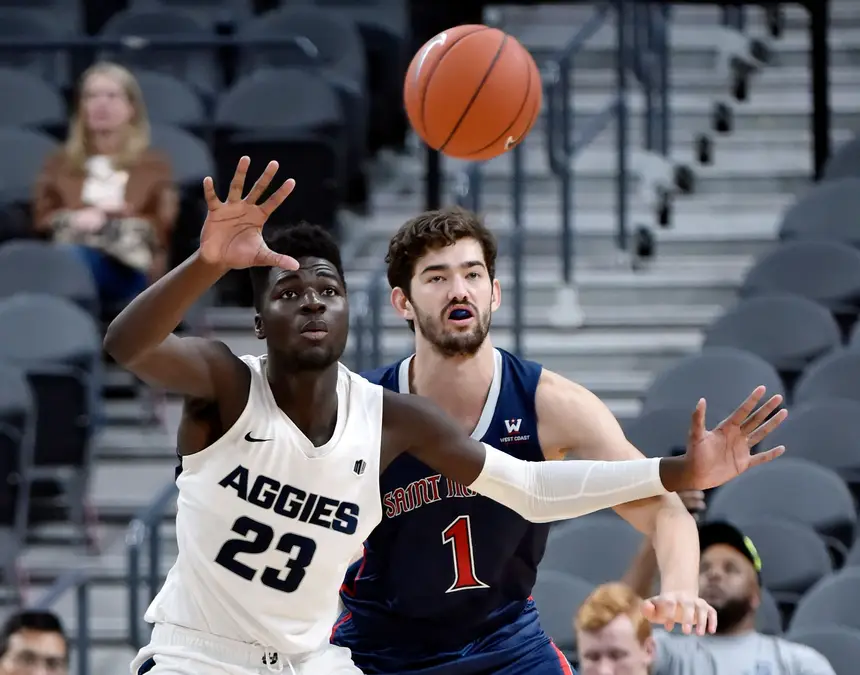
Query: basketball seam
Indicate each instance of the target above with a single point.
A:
(433, 68)
(477, 91)
(517, 116)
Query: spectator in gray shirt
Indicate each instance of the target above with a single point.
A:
(729, 581)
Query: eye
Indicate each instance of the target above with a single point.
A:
(473, 275)
(331, 291)
(436, 279)
(288, 294)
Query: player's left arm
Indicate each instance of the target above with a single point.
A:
(573, 422)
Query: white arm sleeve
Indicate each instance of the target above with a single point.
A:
(545, 491)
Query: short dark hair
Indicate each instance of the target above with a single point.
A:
(302, 240)
(43, 621)
(433, 230)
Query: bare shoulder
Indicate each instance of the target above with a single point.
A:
(571, 418)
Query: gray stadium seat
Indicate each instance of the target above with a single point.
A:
(786, 331)
(845, 162)
(825, 432)
(31, 150)
(558, 596)
(17, 429)
(195, 66)
(828, 212)
(190, 159)
(662, 432)
(836, 375)
(855, 337)
(40, 267)
(831, 602)
(37, 103)
(214, 12)
(793, 556)
(610, 543)
(768, 619)
(26, 21)
(791, 489)
(840, 646)
(296, 118)
(722, 375)
(853, 559)
(59, 347)
(170, 100)
(824, 271)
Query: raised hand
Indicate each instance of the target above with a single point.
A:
(232, 235)
(715, 457)
(689, 611)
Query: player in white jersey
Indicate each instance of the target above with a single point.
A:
(281, 454)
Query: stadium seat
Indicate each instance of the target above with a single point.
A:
(839, 645)
(17, 430)
(831, 602)
(31, 150)
(26, 21)
(31, 266)
(212, 12)
(170, 100)
(854, 342)
(722, 375)
(828, 212)
(792, 489)
(793, 556)
(611, 544)
(768, 618)
(328, 43)
(786, 331)
(826, 272)
(197, 67)
(294, 117)
(37, 104)
(59, 347)
(836, 375)
(825, 432)
(844, 162)
(558, 596)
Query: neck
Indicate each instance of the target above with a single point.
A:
(307, 397)
(744, 627)
(452, 380)
(105, 142)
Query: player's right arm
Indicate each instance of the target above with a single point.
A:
(141, 338)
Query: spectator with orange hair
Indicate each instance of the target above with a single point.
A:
(612, 635)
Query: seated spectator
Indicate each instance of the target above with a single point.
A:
(31, 642)
(612, 635)
(729, 580)
(107, 194)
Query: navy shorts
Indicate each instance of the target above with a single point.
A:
(519, 648)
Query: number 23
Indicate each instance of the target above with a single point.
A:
(299, 549)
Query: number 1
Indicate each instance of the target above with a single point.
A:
(459, 535)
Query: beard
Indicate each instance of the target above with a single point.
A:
(454, 343)
(732, 613)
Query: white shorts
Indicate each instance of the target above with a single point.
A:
(181, 651)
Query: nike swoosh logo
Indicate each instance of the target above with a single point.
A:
(251, 439)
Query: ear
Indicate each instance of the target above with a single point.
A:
(401, 304)
(497, 295)
(755, 599)
(259, 328)
(649, 647)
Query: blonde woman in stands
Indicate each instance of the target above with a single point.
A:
(106, 194)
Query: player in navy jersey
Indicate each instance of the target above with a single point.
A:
(443, 585)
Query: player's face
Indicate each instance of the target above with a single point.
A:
(105, 105)
(614, 650)
(727, 582)
(33, 652)
(305, 315)
(452, 298)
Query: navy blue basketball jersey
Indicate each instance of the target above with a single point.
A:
(447, 566)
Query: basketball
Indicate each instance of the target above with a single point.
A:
(472, 92)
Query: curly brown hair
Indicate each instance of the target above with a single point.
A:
(434, 230)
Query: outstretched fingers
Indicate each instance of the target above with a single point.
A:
(212, 201)
(739, 416)
(266, 257)
(277, 198)
(766, 456)
(760, 432)
(760, 416)
(262, 183)
(238, 182)
(697, 423)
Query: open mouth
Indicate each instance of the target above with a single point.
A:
(458, 314)
(315, 330)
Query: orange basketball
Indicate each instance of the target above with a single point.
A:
(472, 92)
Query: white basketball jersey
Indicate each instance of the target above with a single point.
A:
(267, 523)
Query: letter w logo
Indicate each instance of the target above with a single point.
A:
(513, 426)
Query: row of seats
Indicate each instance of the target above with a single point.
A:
(794, 329)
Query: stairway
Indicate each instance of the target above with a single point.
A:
(636, 323)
